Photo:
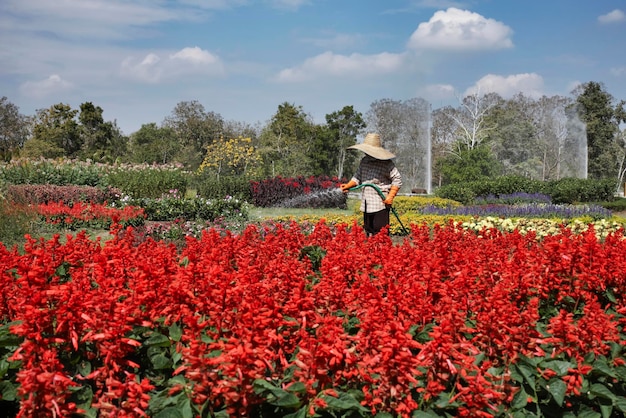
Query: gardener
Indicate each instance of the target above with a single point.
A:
(377, 168)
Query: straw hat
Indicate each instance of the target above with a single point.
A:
(371, 146)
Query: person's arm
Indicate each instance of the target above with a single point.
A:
(396, 183)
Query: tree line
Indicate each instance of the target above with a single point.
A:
(484, 136)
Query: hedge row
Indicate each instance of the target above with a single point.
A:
(563, 191)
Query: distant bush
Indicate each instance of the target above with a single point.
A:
(45, 193)
(569, 190)
(57, 172)
(407, 204)
(563, 191)
(148, 181)
(134, 180)
(210, 187)
(195, 209)
(513, 199)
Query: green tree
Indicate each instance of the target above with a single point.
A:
(513, 137)
(602, 119)
(286, 142)
(477, 163)
(102, 141)
(342, 128)
(14, 129)
(195, 129)
(153, 144)
(55, 133)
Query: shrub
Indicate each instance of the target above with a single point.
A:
(210, 187)
(58, 172)
(45, 193)
(462, 193)
(148, 181)
(405, 204)
(172, 208)
(568, 190)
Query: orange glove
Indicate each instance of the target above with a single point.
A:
(392, 193)
(345, 187)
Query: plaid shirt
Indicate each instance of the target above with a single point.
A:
(382, 173)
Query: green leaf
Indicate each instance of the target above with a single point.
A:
(620, 371)
(170, 412)
(620, 403)
(559, 366)
(275, 395)
(424, 414)
(600, 366)
(300, 413)
(587, 412)
(344, 402)
(557, 389)
(84, 367)
(297, 387)
(159, 340)
(601, 391)
(160, 361)
(606, 409)
(175, 332)
(520, 399)
(8, 392)
(82, 396)
(526, 372)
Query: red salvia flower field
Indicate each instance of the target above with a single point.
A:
(275, 321)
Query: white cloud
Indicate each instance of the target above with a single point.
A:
(195, 55)
(455, 29)
(187, 61)
(329, 64)
(613, 17)
(43, 88)
(91, 19)
(618, 71)
(146, 70)
(437, 92)
(530, 84)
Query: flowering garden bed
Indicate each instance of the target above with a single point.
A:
(275, 321)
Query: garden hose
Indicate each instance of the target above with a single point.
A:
(382, 196)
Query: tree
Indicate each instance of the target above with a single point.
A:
(14, 129)
(443, 138)
(472, 164)
(404, 130)
(602, 120)
(342, 129)
(153, 144)
(102, 141)
(195, 129)
(55, 133)
(286, 142)
(471, 119)
(512, 136)
(234, 156)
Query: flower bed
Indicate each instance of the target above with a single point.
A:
(275, 321)
(89, 215)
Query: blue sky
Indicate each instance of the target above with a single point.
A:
(137, 59)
